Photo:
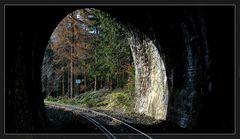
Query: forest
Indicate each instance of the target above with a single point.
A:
(159, 69)
(87, 52)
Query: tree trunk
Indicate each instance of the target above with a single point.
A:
(85, 79)
(68, 83)
(71, 58)
(57, 86)
(117, 82)
(73, 85)
(108, 82)
(101, 82)
(123, 80)
(95, 83)
(71, 75)
(63, 85)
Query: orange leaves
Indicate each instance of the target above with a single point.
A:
(70, 42)
(128, 68)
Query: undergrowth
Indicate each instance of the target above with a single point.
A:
(116, 100)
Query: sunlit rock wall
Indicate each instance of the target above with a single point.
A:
(181, 36)
(151, 90)
(184, 80)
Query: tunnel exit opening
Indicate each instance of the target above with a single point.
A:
(190, 48)
(91, 53)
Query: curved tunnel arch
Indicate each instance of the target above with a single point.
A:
(151, 89)
(24, 57)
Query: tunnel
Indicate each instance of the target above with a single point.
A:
(194, 44)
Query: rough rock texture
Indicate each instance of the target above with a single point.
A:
(187, 101)
(150, 76)
(205, 100)
(151, 83)
(25, 110)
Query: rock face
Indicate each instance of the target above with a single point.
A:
(25, 110)
(185, 98)
(151, 90)
(192, 75)
(185, 85)
(187, 101)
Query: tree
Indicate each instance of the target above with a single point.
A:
(68, 48)
(110, 51)
(91, 44)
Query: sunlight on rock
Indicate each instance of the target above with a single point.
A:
(150, 77)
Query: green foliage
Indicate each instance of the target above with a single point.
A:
(130, 86)
(50, 98)
(93, 47)
(109, 48)
(116, 100)
(91, 99)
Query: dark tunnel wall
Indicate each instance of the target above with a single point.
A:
(27, 36)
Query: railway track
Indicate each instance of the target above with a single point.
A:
(106, 123)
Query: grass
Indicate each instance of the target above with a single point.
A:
(116, 100)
